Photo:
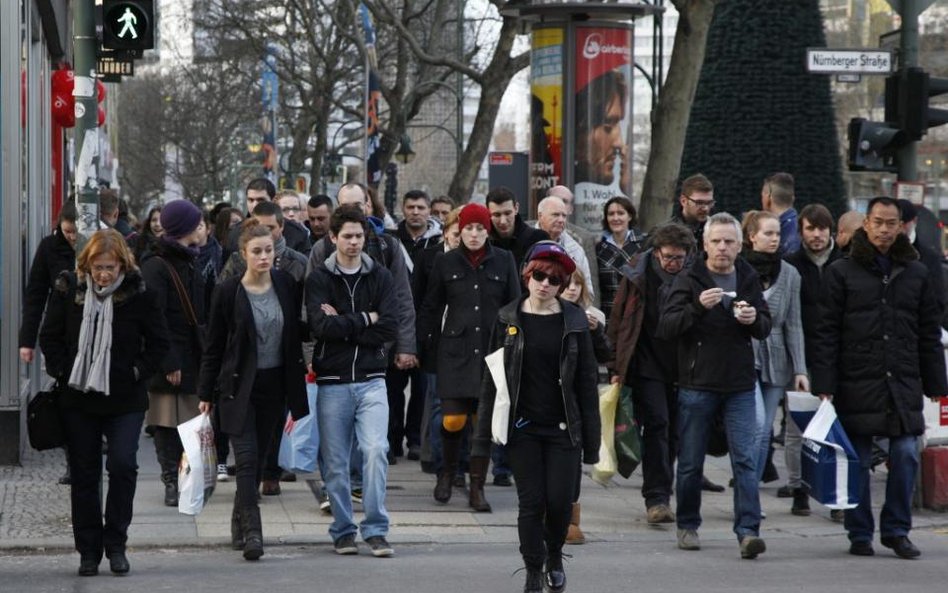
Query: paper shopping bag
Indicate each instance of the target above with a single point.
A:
(802, 405)
(830, 465)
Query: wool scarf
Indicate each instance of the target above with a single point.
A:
(90, 371)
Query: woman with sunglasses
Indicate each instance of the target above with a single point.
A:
(553, 423)
(471, 283)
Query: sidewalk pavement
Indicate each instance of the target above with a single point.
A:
(34, 511)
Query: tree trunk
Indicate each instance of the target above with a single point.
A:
(670, 120)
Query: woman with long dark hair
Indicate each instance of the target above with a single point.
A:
(253, 370)
(103, 336)
(151, 231)
(553, 423)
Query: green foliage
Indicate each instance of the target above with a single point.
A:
(757, 110)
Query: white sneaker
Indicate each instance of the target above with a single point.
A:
(222, 472)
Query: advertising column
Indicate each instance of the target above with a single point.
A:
(546, 111)
(602, 165)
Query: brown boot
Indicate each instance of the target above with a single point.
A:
(574, 535)
(477, 499)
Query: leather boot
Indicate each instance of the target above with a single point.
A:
(555, 577)
(451, 451)
(574, 535)
(534, 581)
(477, 499)
(167, 444)
(253, 532)
(236, 532)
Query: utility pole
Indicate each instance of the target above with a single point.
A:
(908, 57)
(87, 124)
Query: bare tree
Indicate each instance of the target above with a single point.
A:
(140, 128)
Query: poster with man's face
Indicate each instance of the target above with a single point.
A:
(603, 98)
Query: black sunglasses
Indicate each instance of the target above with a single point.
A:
(541, 276)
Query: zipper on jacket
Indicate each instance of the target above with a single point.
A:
(351, 290)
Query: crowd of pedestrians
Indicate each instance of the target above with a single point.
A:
(708, 320)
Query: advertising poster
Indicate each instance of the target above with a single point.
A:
(603, 100)
(546, 111)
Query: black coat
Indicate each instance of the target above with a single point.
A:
(297, 237)
(139, 344)
(424, 264)
(715, 352)
(811, 289)
(936, 274)
(578, 377)
(878, 342)
(229, 364)
(473, 297)
(524, 236)
(185, 351)
(53, 256)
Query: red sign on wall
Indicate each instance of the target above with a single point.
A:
(943, 411)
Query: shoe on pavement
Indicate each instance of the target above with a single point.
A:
(270, 488)
(118, 563)
(801, 503)
(503, 480)
(380, 546)
(88, 566)
(414, 453)
(392, 458)
(837, 515)
(861, 548)
(688, 539)
(902, 546)
(222, 475)
(459, 481)
(287, 477)
(709, 486)
(752, 547)
(346, 545)
(659, 513)
(356, 495)
(785, 491)
(171, 495)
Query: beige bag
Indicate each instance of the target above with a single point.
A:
(603, 471)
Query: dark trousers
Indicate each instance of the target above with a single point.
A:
(544, 463)
(404, 425)
(656, 410)
(84, 434)
(271, 465)
(266, 406)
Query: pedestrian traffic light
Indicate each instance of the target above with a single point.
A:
(128, 24)
(872, 145)
(906, 101)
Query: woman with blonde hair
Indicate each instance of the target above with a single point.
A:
(103, 337)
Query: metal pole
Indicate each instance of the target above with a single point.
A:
(87, 132)
(459, 81)
(908, 57)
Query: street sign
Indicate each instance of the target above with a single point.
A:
(128, 24)
(848, 77)
(913, 191)
(113, 70)
(848, 61)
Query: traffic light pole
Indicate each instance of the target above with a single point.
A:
(86, 130)
(908, 57)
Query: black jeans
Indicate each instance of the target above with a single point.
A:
(656, 410)
(404, 425)
(84, 434)
(544, 463)
(264, 412)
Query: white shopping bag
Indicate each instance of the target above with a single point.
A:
(500, 420)
(830, 465)
(802, 405)
(197, 470)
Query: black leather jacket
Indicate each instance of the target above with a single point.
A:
(578, 378)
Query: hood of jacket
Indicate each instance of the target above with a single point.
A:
(864, 253)
(367, 264)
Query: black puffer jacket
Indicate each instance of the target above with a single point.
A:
(578, 377)
(185, 352)
(878, 346)
(473, 297)
(715, 352)
(139, 343)
(53, 256)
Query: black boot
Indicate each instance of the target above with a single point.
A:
(253, 532)
(236, 532)
(801, 502)
(770, 470)
(168, 450)
(534, 581)
(555, 578)
(477, 499)
(451, 451)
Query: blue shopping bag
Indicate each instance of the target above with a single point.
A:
(802, 405)
(299, 446)
(830, 465)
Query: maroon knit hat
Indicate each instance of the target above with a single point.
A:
(474, 213)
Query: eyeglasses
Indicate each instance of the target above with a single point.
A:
(540, 276)
(289, 209)
(670, 259)
(701, 203)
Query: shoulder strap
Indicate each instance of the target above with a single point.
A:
(182, 293)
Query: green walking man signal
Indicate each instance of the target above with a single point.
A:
(128, 24)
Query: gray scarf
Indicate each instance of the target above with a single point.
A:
(90, 371)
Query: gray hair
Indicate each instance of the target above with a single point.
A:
(722, 218)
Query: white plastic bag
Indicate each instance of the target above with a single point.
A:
(500, 420)
(197, 471)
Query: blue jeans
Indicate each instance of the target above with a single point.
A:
(896, 516)
(696, 411)
(769, 399)
(347, 412)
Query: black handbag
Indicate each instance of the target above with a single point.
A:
(43, 423)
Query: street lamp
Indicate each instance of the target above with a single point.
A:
(405, 154)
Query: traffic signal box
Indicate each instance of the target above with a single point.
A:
(873, 145)
(128, 24)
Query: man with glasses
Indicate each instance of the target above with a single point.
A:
(648, 363)
(297, 237)
(696, 202)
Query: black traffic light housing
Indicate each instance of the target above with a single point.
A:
(906, 101)
(872, 145)
(128, 24)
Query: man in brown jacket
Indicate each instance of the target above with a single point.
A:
(648, 363)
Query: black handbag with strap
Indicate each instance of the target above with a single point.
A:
(43, 422)
(198, 329)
